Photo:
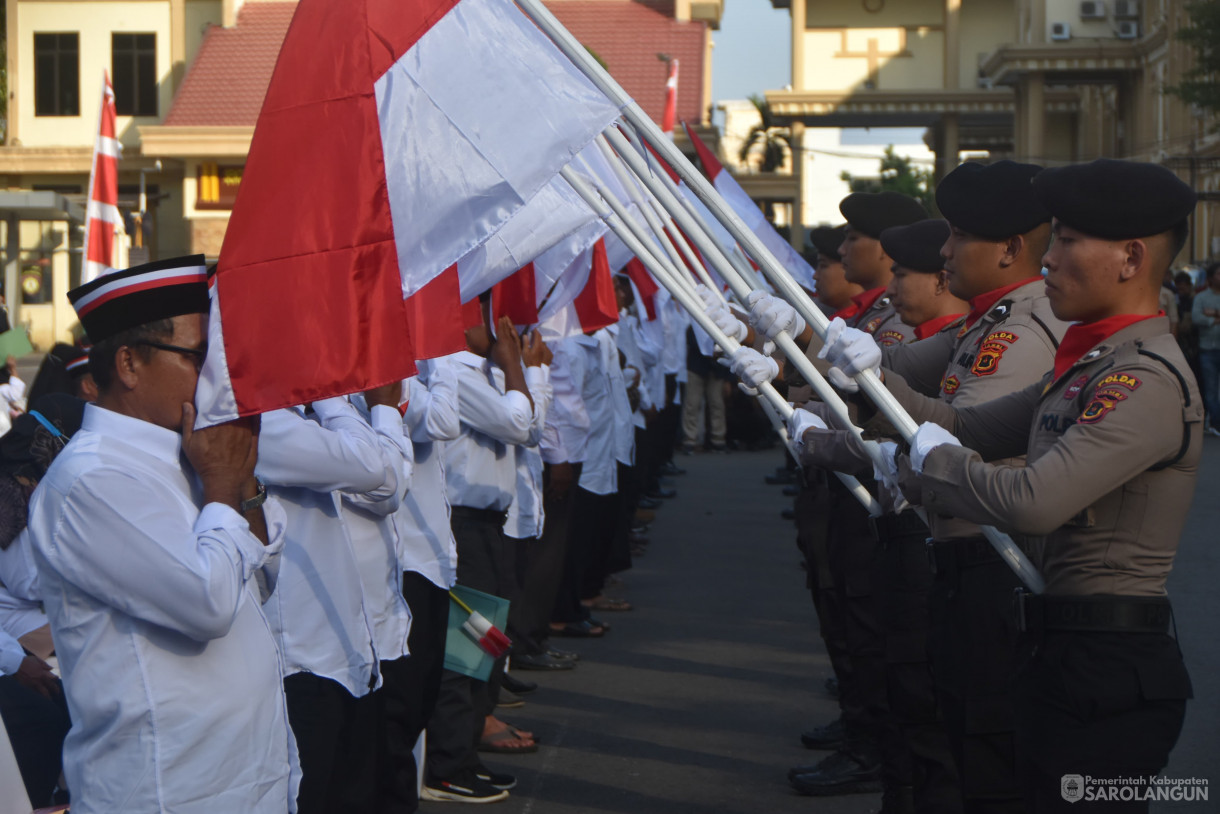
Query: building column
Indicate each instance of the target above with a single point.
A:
(1030, 118)
(798, 45)
(948, 145)
(953, 45)
(12, 269)
(796, 230)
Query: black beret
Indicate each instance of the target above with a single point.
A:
(993, 201)
(136, 296)
(871, 213)
(826, 241)
(1115, 200)
(917, 247)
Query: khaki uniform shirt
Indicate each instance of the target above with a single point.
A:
(1112, 447)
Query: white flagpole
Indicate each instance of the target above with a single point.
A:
(626, 230)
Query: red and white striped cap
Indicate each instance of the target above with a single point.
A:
(141, 294)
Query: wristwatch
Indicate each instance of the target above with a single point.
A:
(259, 498)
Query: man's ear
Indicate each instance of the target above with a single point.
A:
(1136, 254)
(126, 367)
(1011, 250)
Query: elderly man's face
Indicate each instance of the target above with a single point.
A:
(168, 379)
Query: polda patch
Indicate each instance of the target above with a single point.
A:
(988, 359)
(1103, 403)
(1120, 380)
(1002, 336)
(887, 338)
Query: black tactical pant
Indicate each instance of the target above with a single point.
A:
(973, 648)
(1099, 705)
(812, 510)
(924, 763)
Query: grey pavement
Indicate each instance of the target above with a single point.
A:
(693, 703)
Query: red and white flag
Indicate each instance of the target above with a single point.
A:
(583, 299)
(670, 116)
(395, 138)
(749, 212)
(103, 223)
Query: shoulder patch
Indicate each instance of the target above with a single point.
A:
(873, 324)
(891, 338)
(988, 359)
(1121, 380)
(949, 385)
(962, 330)
(1104, 401)
(1002, 336)
(1073, 389)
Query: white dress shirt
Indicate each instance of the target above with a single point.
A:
(20, 607)
(423, 524)
(171, 673)
(525, 515)
(673, 352)
(651, 340)
(318, 612)
(480, 465)
(628, 342)
(599, 474)
(566, 434)
(624, 429)
(375, 541)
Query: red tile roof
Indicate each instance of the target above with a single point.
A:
(226, 83)
(628, 35)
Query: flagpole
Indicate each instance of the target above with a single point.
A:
(609, 210)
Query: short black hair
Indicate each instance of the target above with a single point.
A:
(101, 356)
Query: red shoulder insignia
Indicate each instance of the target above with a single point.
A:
(988, 359)
(1001, 336)
(873, 324)
(949, 385)
(891, 337)
(1103, 402)
(1075, 387)
(1121, 380)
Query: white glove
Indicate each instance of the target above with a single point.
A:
(928, 437)
(842, 381)
(800, 421)
(771, 316)
(850, 349)
(887, 477)
(718, 310)
(752, 368)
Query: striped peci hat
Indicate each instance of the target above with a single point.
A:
(141, 294)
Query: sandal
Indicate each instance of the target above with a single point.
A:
(579, 630)
(606, 603)
(495, 742)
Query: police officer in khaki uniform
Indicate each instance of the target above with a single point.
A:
(918, 769)
(1007, 341)
(852, 605)
(1112, 437)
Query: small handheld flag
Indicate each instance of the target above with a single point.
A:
(490, 638)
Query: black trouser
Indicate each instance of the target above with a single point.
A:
(545, 559)
(669, 421)
(853, 550)
(484, 564)
(36, 727)
(408, 694)
(812, 509)
(337, 742)
(618, 558)
(925, 762)
(1100, 705)
(973, 646)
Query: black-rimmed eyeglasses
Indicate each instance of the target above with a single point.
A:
(196, 355)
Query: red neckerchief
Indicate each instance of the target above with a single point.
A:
(867, 299)
(982, 303)
(934, 326)
(1080, 338)
(847, 312)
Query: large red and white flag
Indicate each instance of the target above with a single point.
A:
(582, 300)
(749, 212)
(395, 138)
(670, 115)
(103, 223)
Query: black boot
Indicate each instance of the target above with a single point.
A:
(840, 773)
(829, 736)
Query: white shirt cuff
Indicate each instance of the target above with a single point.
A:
(333, 408)
(386, 419)
(537, 376)
(11, 654)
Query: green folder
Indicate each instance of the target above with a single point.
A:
(462, 654)
(14, 343)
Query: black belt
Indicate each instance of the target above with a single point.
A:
(966, 552)
(893, 526)
(486, 515)
(1101, 613)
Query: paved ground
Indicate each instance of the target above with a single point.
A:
(694, 700)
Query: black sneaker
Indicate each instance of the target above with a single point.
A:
(466, 787)
(501, 780)
(830, 736)
(840, 773)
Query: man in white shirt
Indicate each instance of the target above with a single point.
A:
(321, 613)
(497, 412)
(153, 571)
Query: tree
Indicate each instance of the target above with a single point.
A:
(766, 139)
(1200, 86)
(897, 175)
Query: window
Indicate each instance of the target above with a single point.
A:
(134, 72)
(57, 74)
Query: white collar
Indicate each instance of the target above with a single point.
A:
(143, 435)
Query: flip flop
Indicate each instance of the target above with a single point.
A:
(579, 630)
(495, 743)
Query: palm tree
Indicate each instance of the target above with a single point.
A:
(765, 139)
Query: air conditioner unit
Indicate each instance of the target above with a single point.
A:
(1060, 32)
(1092, 10)
(1128, 30)
(1126, 9)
